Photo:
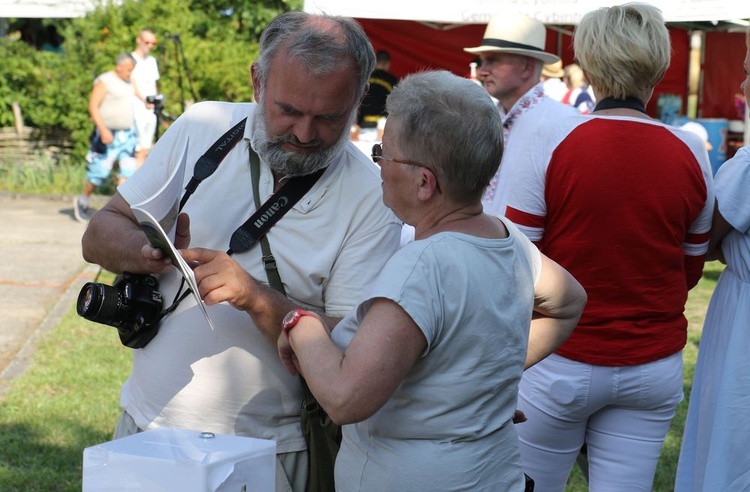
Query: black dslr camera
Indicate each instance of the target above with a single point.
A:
(132, 304)
(157, 100)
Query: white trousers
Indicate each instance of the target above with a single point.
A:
(621, 413)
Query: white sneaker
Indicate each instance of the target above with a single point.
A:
(81, 209)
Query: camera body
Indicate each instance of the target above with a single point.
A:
(157, 100)
(132, 304)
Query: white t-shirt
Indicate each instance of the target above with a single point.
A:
(145, 74)
(448, 425)
(328, 248)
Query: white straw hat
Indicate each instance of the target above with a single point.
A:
(515, 33)
(554, 70)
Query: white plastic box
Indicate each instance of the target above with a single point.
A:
(184, 460)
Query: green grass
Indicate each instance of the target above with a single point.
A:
(48, 177)
(69, 399)
(66, 400)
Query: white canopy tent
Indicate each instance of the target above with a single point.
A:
(43, 9)
(49, 9)
(551, 12)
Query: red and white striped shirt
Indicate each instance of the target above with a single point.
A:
(625, 205)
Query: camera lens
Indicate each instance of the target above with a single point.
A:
(100, 303)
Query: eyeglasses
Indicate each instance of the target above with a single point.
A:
(377, 156)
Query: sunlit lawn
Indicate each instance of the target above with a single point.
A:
(67, 400)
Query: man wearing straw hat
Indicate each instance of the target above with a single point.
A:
(512, 56)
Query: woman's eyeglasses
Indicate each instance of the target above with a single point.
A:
(377, 156)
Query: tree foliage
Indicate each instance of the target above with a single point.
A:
(249, 17)
(205, 50)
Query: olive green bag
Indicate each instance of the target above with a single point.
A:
(323, 440)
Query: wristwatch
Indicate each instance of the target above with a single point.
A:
(291, 320)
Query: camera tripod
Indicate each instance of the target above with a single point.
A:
(184, 81)
(184, 77)
(161, 115)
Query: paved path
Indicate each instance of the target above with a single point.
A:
(41, 273)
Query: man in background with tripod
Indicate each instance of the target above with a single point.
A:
(144, 79)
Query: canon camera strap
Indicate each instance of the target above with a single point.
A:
(210, 160)
(272, 210)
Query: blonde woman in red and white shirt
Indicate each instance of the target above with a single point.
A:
(624, 203)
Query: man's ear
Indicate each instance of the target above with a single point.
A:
(529, 68)
(428, 187)
(257, 87)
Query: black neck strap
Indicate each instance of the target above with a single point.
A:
(272, 210)
(627, 103)
(210, 160)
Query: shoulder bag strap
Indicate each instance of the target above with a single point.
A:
(269, 263)
(309, 404)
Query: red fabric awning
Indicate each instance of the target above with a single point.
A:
(415, 46)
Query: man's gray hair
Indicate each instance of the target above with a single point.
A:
(123, 57)
(323, 43)
(450, 124)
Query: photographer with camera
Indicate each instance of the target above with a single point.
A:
(309, 79)
(144, 78)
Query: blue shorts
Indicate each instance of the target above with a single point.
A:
(121, 150)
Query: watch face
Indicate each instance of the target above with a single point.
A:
(290, 319)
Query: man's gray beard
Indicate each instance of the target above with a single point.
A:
(292, 163)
